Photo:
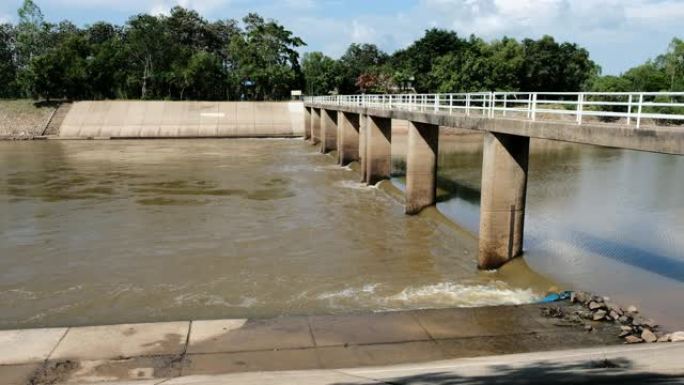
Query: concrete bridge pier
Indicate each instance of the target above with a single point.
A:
(363, 146)
(378, 149)
(307, 123)
(421, 166)
(348, 137)
(328, 130)
(502, 208)
(315, 125)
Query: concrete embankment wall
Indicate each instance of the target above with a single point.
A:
(166, 119)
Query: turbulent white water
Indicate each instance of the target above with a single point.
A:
(442, 294)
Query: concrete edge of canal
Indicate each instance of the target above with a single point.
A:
(154, 351)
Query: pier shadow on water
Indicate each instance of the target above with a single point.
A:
(629, 254)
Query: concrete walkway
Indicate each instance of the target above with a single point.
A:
(173, 349)
(646, 364)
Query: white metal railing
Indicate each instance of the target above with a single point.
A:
(624, 107)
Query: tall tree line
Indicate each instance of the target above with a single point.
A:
(182, 56)
(179, 56)
(442, 61)
(663, 73)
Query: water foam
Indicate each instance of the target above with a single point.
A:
(355, 185)
(442, 294)
(206, 299)
(349, 292)
(452, 294)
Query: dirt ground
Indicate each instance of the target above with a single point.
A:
(24, 118)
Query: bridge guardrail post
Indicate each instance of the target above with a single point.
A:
(492, 101)
(505, 103)
(485, 100)
(629, 110)
(640, 109)
(580, 104)
(437, 102)
(534, 106)
(467, 104)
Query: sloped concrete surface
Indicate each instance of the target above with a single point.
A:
(26, 346)
(18, 374)
(129, 340)
(252, 335)
(167, 119)
(197, 349)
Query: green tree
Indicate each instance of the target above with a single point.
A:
(31, 40)
(61, 72)
(480, 66)
(549, 66)
(672, 63)
(31, 32)
(8, 65)
(321, 73)
(149, 44)
(359, 59)
(202, 77)
(648, 77)
(107, 63)
(266, 58)
(610, 83)
(418, 59)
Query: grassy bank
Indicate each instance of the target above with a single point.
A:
(24, 118)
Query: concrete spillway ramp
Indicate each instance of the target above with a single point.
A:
(165, 119)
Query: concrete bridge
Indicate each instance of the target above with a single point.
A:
(359, 128)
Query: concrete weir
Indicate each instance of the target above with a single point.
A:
(506, 152)
(162, 119)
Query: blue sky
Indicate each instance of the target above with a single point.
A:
(618, 33)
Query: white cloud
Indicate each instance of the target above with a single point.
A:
(159, 9)
(300, 4)
(362, 33)
(618, 33)
(153, 6)
(668, 11)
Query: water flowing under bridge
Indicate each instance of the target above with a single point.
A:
(359, 128)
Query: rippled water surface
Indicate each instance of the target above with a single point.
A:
(129, 231)
(600, 219)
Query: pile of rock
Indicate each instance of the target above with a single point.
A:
(635, 328)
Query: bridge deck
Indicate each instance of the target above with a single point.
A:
(660, 139)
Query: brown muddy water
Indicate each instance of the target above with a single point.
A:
(102, 232)
(606, 220)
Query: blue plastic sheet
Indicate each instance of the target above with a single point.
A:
(555, 297)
